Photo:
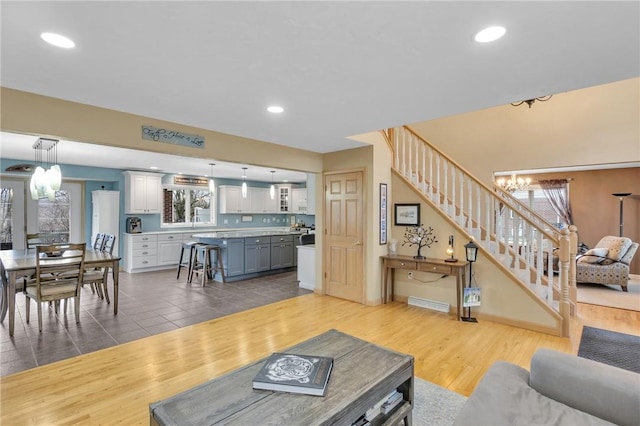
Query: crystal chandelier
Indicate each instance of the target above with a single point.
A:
(514, 183)
(45, 182)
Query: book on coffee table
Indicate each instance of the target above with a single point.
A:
(306, 374)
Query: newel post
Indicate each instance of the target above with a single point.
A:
(573, 253)
(564, 256)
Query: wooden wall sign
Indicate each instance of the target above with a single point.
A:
(192, 181)
(174, 137)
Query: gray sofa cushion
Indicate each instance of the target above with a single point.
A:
(602, 390)
(503, 397)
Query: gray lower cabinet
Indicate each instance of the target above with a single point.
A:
(257, 254)
(281, 251)
(233, 256)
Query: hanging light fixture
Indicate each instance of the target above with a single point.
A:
(514, 184)
(45, 182)
(212, 183)
(272, 188)
(532, 101)
(244, 182)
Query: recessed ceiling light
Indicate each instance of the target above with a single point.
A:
(489, 34)
(153, 167)
(275, 109)
(58, 40)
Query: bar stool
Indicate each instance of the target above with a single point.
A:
(202, 263)
(182, 263)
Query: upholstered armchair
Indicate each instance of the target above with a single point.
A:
(607, 263)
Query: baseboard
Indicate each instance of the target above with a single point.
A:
(307, 286)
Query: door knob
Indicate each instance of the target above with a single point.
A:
(357, 243)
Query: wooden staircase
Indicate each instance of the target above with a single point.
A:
(512, 236)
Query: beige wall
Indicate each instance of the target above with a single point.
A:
(596, 212)
(29, 113)
(502, 299)
(597, 125)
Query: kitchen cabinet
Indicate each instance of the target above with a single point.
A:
(261, 201)
(299, 200)
(233, 256)
(281, 251)
(105, 216)
(284, 194)
(257, 254)
(169, 248)
(232, 201)
(311, 194)
(141, 251)
(143, 193)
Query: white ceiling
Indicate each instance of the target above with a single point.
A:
(338, 68)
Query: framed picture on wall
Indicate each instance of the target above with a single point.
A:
(406, 214)
(383, 213)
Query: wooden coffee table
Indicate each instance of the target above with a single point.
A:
(363, 374)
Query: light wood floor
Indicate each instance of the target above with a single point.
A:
(116, 385)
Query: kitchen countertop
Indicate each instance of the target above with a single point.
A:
(245, 233)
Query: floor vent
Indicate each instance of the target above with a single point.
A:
(434, 305)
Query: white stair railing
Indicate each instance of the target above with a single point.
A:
(513, 234)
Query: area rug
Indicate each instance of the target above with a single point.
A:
(611, 296)
(610, 347)
(435, 405)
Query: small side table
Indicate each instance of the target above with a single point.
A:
(438, 266)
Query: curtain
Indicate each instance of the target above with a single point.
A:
(556, 192)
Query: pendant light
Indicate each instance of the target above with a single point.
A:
(212, 183)
(45, 182)
(272, 189)
(244, 182)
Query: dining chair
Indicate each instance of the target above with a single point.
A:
(98, 242)
(59, 271)
(97, 277)
(32, 240)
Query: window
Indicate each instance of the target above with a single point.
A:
(535, 199)
(187, 206)
(53, 218)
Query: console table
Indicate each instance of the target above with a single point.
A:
(363, 374)
(437, 266)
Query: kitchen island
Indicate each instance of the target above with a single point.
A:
(254, 252)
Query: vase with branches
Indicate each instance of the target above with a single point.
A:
(420, 236)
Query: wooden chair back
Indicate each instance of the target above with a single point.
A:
(32, 240)
(59, 270)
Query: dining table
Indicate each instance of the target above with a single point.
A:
(15, 264)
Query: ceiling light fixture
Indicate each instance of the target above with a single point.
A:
(275, 109)
(212, 183)
(45, 183)
(244, 182)
(514, 184)
(490, 34)
(531, 101)
(272, 188)
(58, 40)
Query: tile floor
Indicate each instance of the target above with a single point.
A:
(150, 303)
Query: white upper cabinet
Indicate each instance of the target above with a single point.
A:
(143, 193)
(311, 194)
(261, 201)
(299, 200)
(231, 200)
